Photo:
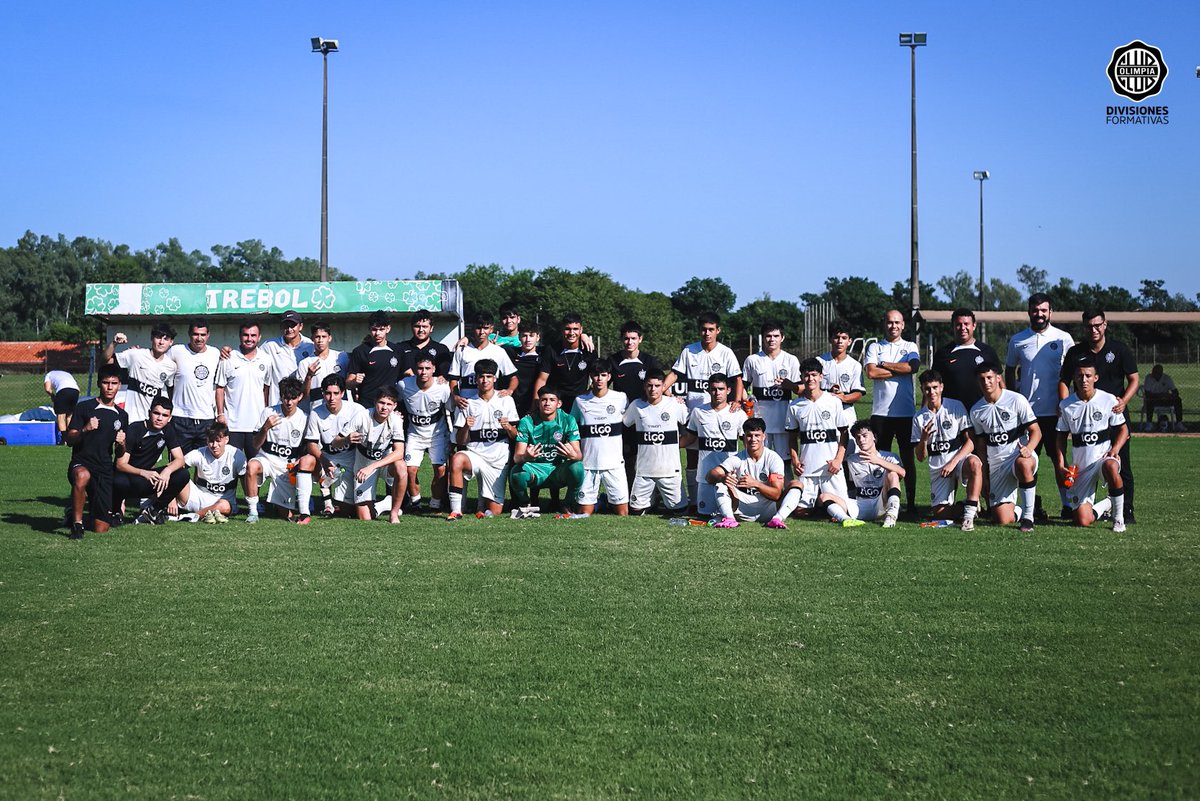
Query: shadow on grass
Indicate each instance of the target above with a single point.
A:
(44, 525)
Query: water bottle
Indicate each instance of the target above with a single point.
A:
(678, 521)
(328, 481)
(937, 524)
(1069, 478)
(292, 473)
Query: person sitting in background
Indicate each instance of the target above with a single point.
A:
(1160, 391)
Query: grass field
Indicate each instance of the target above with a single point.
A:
(599, 658)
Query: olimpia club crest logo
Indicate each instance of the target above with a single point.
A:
(1137, 70)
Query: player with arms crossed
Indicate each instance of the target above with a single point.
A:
(749, 483)
(328, 450)
(547, 454)
(817, 437)
(378, 442)
(941, 432)
(1096, 425)
(483, 429)
(873, 481)
(424, 401)
(1006, 430)
(600, 415)
(279, 444)
(657, 421)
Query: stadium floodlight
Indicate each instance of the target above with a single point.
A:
(981, 176)
(912, 41)
(324, 47)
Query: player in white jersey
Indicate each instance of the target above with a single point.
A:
(817, 437)
(63, 390)
(688, 377)
(211, 495)
(378, 452)
(601, 418)
(714, 428)
(1098, 432)
(324, 361)
(194, 390)
(891, 363)
(770, 377)
(749, 483)
(243, 386)
(1006, 430)
(279, 444)
(462, 365)
(872, 480)
(841, 374)
(941, 432)
(657, 421)
(424, 401)
(286, 351)
(150, 372)
(483, 428)
(330, 453)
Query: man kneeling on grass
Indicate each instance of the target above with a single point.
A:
(748, 484)
(211, 494)
(379, 452)
(96, 433)
(547, 453)
(279, 445)
(873, 481)
(1097, 433)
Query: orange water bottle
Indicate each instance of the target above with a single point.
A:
(1069, 478)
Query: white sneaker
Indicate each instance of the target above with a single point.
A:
(968, 524)
(1119, 527)
(252, 517)
(889, 520)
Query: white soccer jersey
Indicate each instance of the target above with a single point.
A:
(658, 435)
(425, 409)
(487, 437)
(335, 362)
(764, 379)
(864, 480)
(846, 375)
(1090, 424)
(767, 466)
(244, 379)
(195, 390)
(323, 425)
(893, 397)
(285, 438)
(601, 423)
(717, 433)
(951, 428)
(1038, 359)
(462, 367)
(695, 365)
(148, 379)
(380, 436)
(284, 360)
(816, 423)
(218, 476)
(1004, 424)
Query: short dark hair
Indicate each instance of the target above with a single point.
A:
(1086, 360)
(333, 379)
(216, 431)
(988, 366)
(528, 327)
(838, 326)
(162, 330)
(483, 320)
(321, 325)
(197, 322)
(508, 307)
(108, 371)
(379, 317)
(1038, 298)
(486, 366)
(718, 378)
(656, 374)
(769, 326)
(162, 401)
(1093, 312)
(291, 387)
(571, 318)
(421, 315)
(707, 317)
(249, 322)
(423, 356)
(549, 389)
(962, 312)
(387, 391)
(600, 366)
(859, 426)
(631, 326)
(754, 424)
(929, 376)
(811, 365)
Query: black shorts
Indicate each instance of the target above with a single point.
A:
(244, 442)
(192, 433)
(65, 400)
(99, 488)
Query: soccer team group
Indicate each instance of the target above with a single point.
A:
(518, 418)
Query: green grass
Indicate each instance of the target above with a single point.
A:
(598, 658)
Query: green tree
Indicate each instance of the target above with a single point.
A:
(700, 295)
(859, 301)
(961, 290)
(902, 297)
(743, 326)
(1034, 279)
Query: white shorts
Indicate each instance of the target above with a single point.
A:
(614, 481)
(415, 448)
(832, 483)
(491, 478)
(200, 498)
(1086, 483)
(943, 491)
(283, 491)
(867, 508)
(752, 507)
(1002, 473)
(669, 488)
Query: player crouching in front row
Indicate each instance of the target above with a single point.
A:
(547, 454)
(1006, 429)
(1098, 432)
(748, 484)
(279, 445)
(483, 429)
(873, 483)
(378, 440)
(211, 494)
(941, 432)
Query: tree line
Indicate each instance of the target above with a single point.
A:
(43, 280)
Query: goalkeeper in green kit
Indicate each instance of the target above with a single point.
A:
(547, 453)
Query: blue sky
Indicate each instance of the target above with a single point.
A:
(763, 142)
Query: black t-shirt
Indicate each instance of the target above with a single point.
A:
(568, 372)
(629, 375)
(956, 364)
(145, 446)
(528, 365)
(95, 449)
(1114, 361)
(409, 349)
(380, 366)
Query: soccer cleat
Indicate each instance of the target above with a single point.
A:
(328, 511)
(776, 522)
(146, 518)
(450, 518)
(115, 521)
(726, 522)
(850, 522)
(968, 524)
(252, 517)
(76, 530)
(482, 515)
(210, 517)
(1119, 527)
(303, 520)
(1026, 525)
(889, 520)
(220, 518)
(1129, 519)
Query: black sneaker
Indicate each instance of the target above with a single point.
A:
(1067, 513)
(146, 518)
(116, 521)
(76, 531)
(1129, 521)
(160, 517)
(1026, 525)
(328, 511)
(1040, 516)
